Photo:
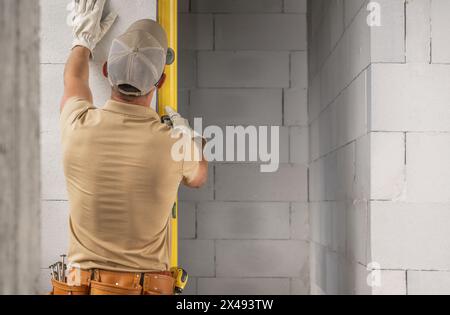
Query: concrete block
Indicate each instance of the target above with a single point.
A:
(363, 168)
(184, 103)
(428, 282)
(243, 69)
(191, 287)
(53, 186)
(52, 89)
(300, 286)
(318, 269)
(55, 41)
(321, 222)
(330, 180)
(339, 226)
(299, 70)
(410, 97)
(418, 31)
(299, 140)
(247, 183)
(332, 273)
(238, 220)
(234, 107)
(316, 9)
(316, 186)
(44, 285)
(295, 6)
(54, 232)
(350, 57)
(260, 32)
(388, 40)
(440, 29)
(57, 35)
(324, 133)
(183, 6)
(351, 111)
(196, 31)
(237, 6)
(427, 167)
(328, 224)
(361, 278)
(314, 108)
(243, 286)
(335, 21)
(357, 232)
(296, 107)
(204, 193)
(352, 7)
(345, 173)
(187, 69)
(261, 258)
(197, 257)
(353, 51)
(300, 221)
(410, 235)
(388, 180)
(393, 282)
(187, 220)
(314, 143)
(285, 145)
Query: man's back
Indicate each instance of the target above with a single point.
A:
(122, 183)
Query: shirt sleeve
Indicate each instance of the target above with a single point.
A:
(73, 107)
(191, 164)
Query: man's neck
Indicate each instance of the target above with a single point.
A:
(137, 102)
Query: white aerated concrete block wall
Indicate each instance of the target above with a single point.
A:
(245, 63)
(56, 39)
(410, 197)
(380, 146)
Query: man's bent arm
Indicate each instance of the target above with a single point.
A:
(202, 176)
(76, 76)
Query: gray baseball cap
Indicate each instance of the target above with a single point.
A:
(138, 57)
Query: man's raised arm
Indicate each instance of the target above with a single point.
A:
(76, 76)
(88, 30)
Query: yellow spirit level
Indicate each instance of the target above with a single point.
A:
(168, 94)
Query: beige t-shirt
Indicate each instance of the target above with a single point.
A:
(122, 183)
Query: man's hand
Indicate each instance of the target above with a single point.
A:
(180, 125)
(88, 26)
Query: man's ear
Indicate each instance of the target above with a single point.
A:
(161, 81)
(105, 69)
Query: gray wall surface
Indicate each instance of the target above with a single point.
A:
(19, 147)
(245, 63)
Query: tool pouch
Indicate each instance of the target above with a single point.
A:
(98, 288)
(60, 288)
(157, 284)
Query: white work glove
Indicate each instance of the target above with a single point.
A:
(88, 26)
(181, 125)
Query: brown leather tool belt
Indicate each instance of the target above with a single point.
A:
(103, 282)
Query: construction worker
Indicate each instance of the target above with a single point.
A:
(122, 178)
